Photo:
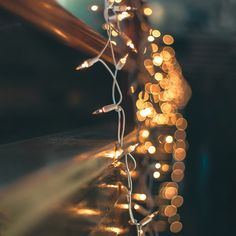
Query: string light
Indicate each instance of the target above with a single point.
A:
(157, 106)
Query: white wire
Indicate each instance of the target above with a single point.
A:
(121, 118)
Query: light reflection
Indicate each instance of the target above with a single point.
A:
(139, 196)
(85, 211)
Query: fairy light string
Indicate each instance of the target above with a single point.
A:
(158, 103)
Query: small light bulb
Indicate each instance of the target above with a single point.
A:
(106, 109)
(87, 63)
(148, 218)
(122, 62)
(123, 8)
(123, 15)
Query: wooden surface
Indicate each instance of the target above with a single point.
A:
(57, 169)
(49, 16)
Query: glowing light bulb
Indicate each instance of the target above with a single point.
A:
(133, 147)
(140, 196)
(87, 63)
(148, 218)
(131, 45)
(122, 62)
(106, 109)
(123, 15)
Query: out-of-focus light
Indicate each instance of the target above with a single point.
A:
(154, 47)
(94, 7)
(86, 211)
(145, 133)
(145, 112)
(147, 11)
(177, 201)
(170, 192)
(151, 38)
(157, 60)
(122, 206)
(123, 15)
(115, 230)
(156, 174)
(139, 196)
(177, 175)
(158, 76)
(158, 166)
(170, 210)
(176, 227)
(168, 39)
(151, 149)
(179, 154)
(169, 139)
(156, 33)
(165, 168)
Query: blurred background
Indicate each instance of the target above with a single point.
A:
(41, 94)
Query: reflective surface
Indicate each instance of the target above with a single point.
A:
(62, 182)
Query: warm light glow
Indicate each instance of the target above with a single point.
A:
(145, 112)
(147, 11)
(139, 196)
(94, 7)
(156, 174)
(151, 38)
(115, 230)
(170, 192)
(168, 39)
(86, 211)
(179, 154)
(165, 168)
(169, 139)
(177, 201)
(114, 154)
(158, 166)
(122, 206)
(156, 33)
(170, 210)
(123, 15)
(158, 76)
(145, 133)
(151, 149)
(176, 227)
(157, 60)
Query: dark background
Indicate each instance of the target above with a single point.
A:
(41, 93)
